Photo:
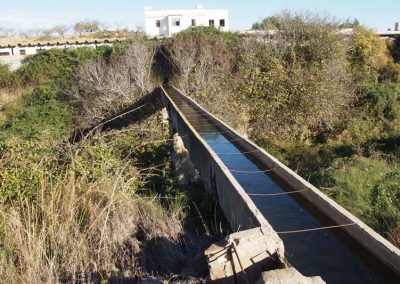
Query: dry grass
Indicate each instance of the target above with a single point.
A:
(73, 213)
(84, 217)
(77, 227)
(394, 236)
(7, 97)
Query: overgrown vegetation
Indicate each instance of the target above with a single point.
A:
(108, 85)
(5, 76)
(88, 211)
(324, 102)
(82, 204)
(299, 83)
(204, 61)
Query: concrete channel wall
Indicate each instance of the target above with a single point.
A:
(371, 241)
(239, 209)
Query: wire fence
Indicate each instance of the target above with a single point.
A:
(200, 116)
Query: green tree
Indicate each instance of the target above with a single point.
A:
(268, 23)
(256, 26)
(6, 76)
(298, 84)
(395, 49)
(368, 54)
(349, 24)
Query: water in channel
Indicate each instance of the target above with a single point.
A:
(326, 253)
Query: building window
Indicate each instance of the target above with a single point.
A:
(193, 22)
(211, 23)
(158, 23)
(4, 53)
(176, 22)
(22, 52)
(222, 23)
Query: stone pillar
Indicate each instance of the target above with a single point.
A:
(184, 170)
(164, 116)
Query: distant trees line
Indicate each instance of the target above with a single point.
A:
(86, 26)
(274, 23)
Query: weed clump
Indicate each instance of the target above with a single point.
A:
(87, 211)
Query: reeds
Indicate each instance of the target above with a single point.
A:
(83, 218)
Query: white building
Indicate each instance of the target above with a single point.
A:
(30, 49)
(165, 23)
(13, 55)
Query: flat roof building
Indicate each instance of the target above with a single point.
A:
(165, 23)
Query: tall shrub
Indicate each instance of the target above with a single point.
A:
(298, 83)
(106, 86)
(368, 54)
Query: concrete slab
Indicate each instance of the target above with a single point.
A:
(242, 257)
(288, 275)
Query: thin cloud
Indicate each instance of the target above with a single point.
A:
(23, 21)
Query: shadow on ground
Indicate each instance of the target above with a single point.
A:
(139, 111)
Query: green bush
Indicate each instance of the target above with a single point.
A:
(390, 73)
(381, 103)
(119, 48)
(269, 23)
(50, 121)
(210, 35)
(368, 53)
(374, 116)
(39, 116)
(368, 187)
(57, 65)
(42, 112)
(395, 49)
(23, 167)
(7, 78)
(288, 82)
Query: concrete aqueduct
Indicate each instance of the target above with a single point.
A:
(279, 216)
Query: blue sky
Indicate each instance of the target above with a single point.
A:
(26, 14)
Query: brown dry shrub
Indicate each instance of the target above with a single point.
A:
(107, 86)
(394, 236)
(202, 60)
(205, 60)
